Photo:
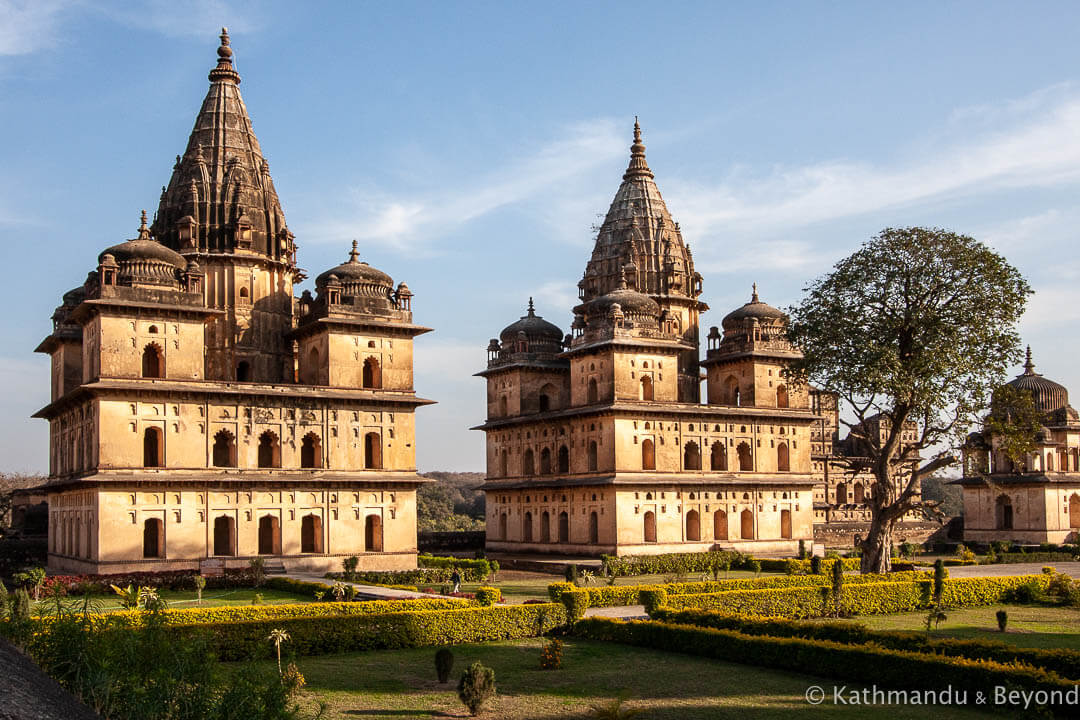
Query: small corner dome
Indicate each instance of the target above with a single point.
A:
(74, 296)
(354, 271)
(1046, 394)
(533, 326)
(144, 248)
(629, 301)
(753, 309)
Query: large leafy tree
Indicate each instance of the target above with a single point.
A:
(913, 332)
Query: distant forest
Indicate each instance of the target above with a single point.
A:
(453, 502)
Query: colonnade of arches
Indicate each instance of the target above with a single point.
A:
(268, 454)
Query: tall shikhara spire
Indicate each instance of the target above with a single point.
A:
(220, 198)
(639, 242)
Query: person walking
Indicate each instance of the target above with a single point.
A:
(455, 578)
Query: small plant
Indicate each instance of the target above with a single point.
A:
(278, 636)
(935, 617)
(476, 687)
(494, 564)
(338, 591)
(258, 570)
(587, 577)
(837, 586)
(815, 565)
(292, 679)
(802, 549)
(350, 564)
(551, 655)
(350, 592)
(200, 583)
(1002, 620)
(149, 600)
(257, 599)
(965, 554)
(31, 578)
(614, 710)
(128, 597)
(487, 596)
(792, 567)
(571, 573)
(444, 664)
(940, 573)
(754, 566)
(319, 595)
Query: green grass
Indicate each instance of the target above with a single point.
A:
(402, 684)
(1033, 626)
(210, 598)
(518, 587)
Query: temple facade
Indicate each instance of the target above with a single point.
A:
(200, 413)
(1036, 500)
(598, 441)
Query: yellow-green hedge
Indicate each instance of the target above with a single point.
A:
(868, 598)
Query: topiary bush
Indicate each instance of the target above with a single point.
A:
(487, 596)
(476, 687)
(576, 603)
(653, 599)
(444, 664)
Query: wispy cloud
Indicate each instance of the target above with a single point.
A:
(29, 25)
(403, 222)
(187, 18)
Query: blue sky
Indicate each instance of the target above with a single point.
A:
(469, 147)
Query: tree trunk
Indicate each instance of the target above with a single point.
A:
(876, 546)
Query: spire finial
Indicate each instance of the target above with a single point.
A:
(638, 167)
(144, 232)
(753, 297)
(353, 254)
(1029, 366)
(224, 69)
(532, 310)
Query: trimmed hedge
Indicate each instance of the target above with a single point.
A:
(169, 580)
(576, 603)
(1065, 663)
(858, 598)
(488, 595)
(614, 595)
(854, 663)
(471, 570)
(708, 561)
(1034, 557)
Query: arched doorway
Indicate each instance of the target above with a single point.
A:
(649, 523)
(548, 396)
(502, 526)
(857, 494)
(1074, 511)
(691, 456)
(269, 450)
(269, 535)
(785, 524)
(311, 534)
(564, 459)
(153, 361)
(1004, 512)
(746, 525)
(841, 494)
(746, 459)
(594, 391)
(373, 451)
(783, 460)
(529, 467)
(311, 451)
(594, 528)
(527, 527)
(545, 527)
(153, 543)
(693, 526)
(372, 374)
(592, 456)
(373, 533)
(781, 397)
(243, 371)
(224, 535)
(646, 388)
(564, 527)
(545, 461)
(719, 522)
(153, 455)
(648, 455)
(718, 459)
(224, 449)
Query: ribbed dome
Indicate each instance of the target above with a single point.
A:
(536, 328)
(629, 301)
(1047, 394)
(753, 309)
(355, 272)
(143, 248)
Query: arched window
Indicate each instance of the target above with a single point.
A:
(718, 460)
(691, 456)
(594, 528)
(548, 399)
(153, 448)
(648, 455)
(646, 392)
(731, 390)
(502, 526)
(594, 391)
(545, 461)
(527, 527)
(373, 533)
(153, 538)
(502, 406)
(243, 371)
(592, 456)
(269, 535)
(503, 463)
(785, 524)
(311, 534)
(311, 451)
(564, 527)
(782, 397)
(564, 459)
(244, 296)
(1004, 512)
(857, 492)
(269, 450)
(153, 361)
(224, 449)
(545, 527)
(746, 459)
(528, 466)
(312, 369)
(746, 522)
(224, 535)
(372, 374)
(373, 451)
(841, 494)
(649, 523)
(1049, 462)
(783, 459)
(719, 523)
(693, 526)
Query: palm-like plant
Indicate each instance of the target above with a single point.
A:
(150, 601)
(278, 636)
(129, 596)
(339, 591)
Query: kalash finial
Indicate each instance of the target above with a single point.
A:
(532, 310)
(353, 254)
(638, 167)
(754, 297)
(144, 232)
(224, 69)
(1029, 366)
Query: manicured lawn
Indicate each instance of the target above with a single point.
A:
(520, 586)
(186, 598)
(1032, 626)
(402, 684)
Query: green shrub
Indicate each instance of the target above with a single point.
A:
(349, 565)
(477, 570)
(444, 664)
(488, 595)
(1002, 619)
(653, 599)
(571, 573)
(815, 565)
(576, 603)
(477, 687)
